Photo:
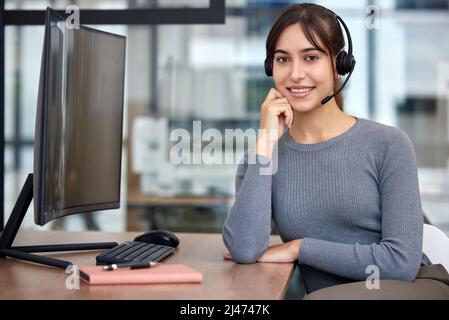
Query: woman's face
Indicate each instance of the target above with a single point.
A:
(301, 72)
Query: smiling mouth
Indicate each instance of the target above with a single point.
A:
(300, 92)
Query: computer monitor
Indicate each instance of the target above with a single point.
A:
(78, 137)
(78, 133)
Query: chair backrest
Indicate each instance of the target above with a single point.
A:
(436, 245)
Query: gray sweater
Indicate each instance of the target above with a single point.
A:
(353, 199)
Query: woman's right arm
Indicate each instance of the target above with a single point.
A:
(248, 225)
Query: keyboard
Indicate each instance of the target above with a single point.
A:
(134, 251)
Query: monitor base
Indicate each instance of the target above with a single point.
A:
(25, 252)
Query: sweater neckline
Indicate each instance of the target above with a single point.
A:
(323, 144)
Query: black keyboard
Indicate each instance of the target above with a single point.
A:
(134, 251)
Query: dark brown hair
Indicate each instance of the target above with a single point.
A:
(315, 21)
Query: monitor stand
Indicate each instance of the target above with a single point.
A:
(25, 252)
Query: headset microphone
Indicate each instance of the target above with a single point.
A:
(338, 91)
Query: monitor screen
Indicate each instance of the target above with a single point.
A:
(79, 121)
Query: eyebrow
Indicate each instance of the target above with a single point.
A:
(302, 50)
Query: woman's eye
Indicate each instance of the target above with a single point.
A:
(281, 59)
(311, 58)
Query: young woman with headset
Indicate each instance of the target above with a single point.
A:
(344, 195)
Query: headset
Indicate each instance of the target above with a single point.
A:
(345, 62)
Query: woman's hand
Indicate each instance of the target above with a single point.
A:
(276, 115)
(286, 252)
(281, 253)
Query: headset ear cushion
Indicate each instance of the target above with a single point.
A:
(341, 63)
(350, 62)
(269, 67)
(344, 62)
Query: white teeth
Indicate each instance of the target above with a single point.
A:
(302, 90)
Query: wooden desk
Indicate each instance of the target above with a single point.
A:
(223, 280)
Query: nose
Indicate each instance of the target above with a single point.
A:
(297, 71)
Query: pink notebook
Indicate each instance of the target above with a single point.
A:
(162, 273)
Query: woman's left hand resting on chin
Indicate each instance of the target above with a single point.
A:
(281, 253)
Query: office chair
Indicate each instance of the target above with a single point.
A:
(436, 245)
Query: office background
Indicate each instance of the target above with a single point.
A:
(198, 68)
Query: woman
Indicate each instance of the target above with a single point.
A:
(344, 195)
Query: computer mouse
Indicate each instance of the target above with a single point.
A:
(163, 237)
